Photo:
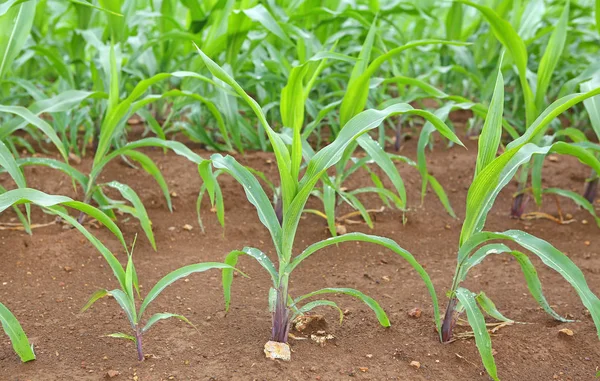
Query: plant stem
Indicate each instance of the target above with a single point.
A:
(279, 208)
(138, 344)
(82, 215)
(281, 317)
(518, 206)
(591, 189)
(449, 320)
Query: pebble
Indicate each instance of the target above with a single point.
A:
(415, 313)
(415, 364)
(566, 332)
(275, 350)
(187, 227)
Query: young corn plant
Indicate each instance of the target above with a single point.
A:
(126, 298)
(53, 205)
(534, 98)
(354, 101)
(296, 188)
(491, 175)
(117, 113)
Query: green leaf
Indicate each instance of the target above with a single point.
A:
(488, 183)
(364, 57)
(15, 26)
(379, 312)
(482, 337)
(64, 101)
(550, 113)
(442, 196)
(454, 21)
(284, 164)
(535, 286)
(292, 112)
(552, 258)
(138, 208)
(329, 207)
(383, 160)
(536, 178)
(592, 105)
(551, 56)
(38, 123)
(331, 154)
(489, 307)
(529, 271)
(261, 15)
(112, 261)
(162, 316)
(232, 258)
(355, 202)
(94, 298)
(129, 275)
(507, 35)
(597, 12)
(127, 305)
(120, 335)
(254, 192)
(577, 199)
(58, 165)
(357, 93)
(15, 333)
(8, 162)
(173, 276)
(385, 242)
(319, 303)
(489, 140)
(151, 168)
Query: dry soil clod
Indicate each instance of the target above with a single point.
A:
(277, 351)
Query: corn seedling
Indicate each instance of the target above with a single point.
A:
(295, 190)
(54, 205)
(126, 297)
(491, 175)
(118, 111)
(534, 98)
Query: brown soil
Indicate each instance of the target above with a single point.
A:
(70, 345)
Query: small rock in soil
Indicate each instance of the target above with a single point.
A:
(415, 313)
(275, 350)
(340, 229)
(566, 332)
(112, 373)
(415, 364)
(68, 269)
(187, 227)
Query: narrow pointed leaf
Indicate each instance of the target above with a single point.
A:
(370, 302)
(477, 323)
(15, 333)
